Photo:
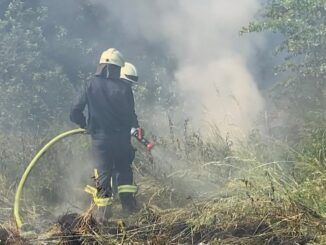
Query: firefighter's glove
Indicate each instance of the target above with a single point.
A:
(138, 133)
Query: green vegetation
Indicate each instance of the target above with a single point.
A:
(270, 186)
(302, 27)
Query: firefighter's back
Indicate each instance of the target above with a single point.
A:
(109, 105)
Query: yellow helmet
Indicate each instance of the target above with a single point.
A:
(129, 73)
(112, 56)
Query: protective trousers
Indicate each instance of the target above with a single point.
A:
(113, 152)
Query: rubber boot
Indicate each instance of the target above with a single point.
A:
(128, 203)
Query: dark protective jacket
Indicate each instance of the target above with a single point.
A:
(110, 104)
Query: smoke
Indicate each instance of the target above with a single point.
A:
(187, 176)
(212, 59)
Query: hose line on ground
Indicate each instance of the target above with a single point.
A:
(30, 166)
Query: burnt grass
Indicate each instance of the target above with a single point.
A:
(11, 236)
(73, 231)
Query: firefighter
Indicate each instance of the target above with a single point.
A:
(129, 74)
(111, 119)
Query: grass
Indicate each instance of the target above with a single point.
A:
(248, 215)
(261, 191)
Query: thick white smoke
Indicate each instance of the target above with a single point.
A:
(212, 58)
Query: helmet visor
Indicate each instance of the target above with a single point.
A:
(132, 78)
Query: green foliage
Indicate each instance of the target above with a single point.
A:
(42, 63)
(45, 60)
(154, 91)
(32, 87)
(302, 24)
(312, 193)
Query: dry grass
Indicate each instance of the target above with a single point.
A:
(248, 215)
(256, 200)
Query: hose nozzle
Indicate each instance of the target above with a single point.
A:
(139, 135)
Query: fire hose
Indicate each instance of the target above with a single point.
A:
(30, 166)
(39, 154)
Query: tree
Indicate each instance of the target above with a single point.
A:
(33, 87)
(302, 24)
(47, 54)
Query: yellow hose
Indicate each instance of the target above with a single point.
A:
(29, 168)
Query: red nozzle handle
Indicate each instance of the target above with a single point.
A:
(150, 146)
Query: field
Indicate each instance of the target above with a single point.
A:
(185, 197)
